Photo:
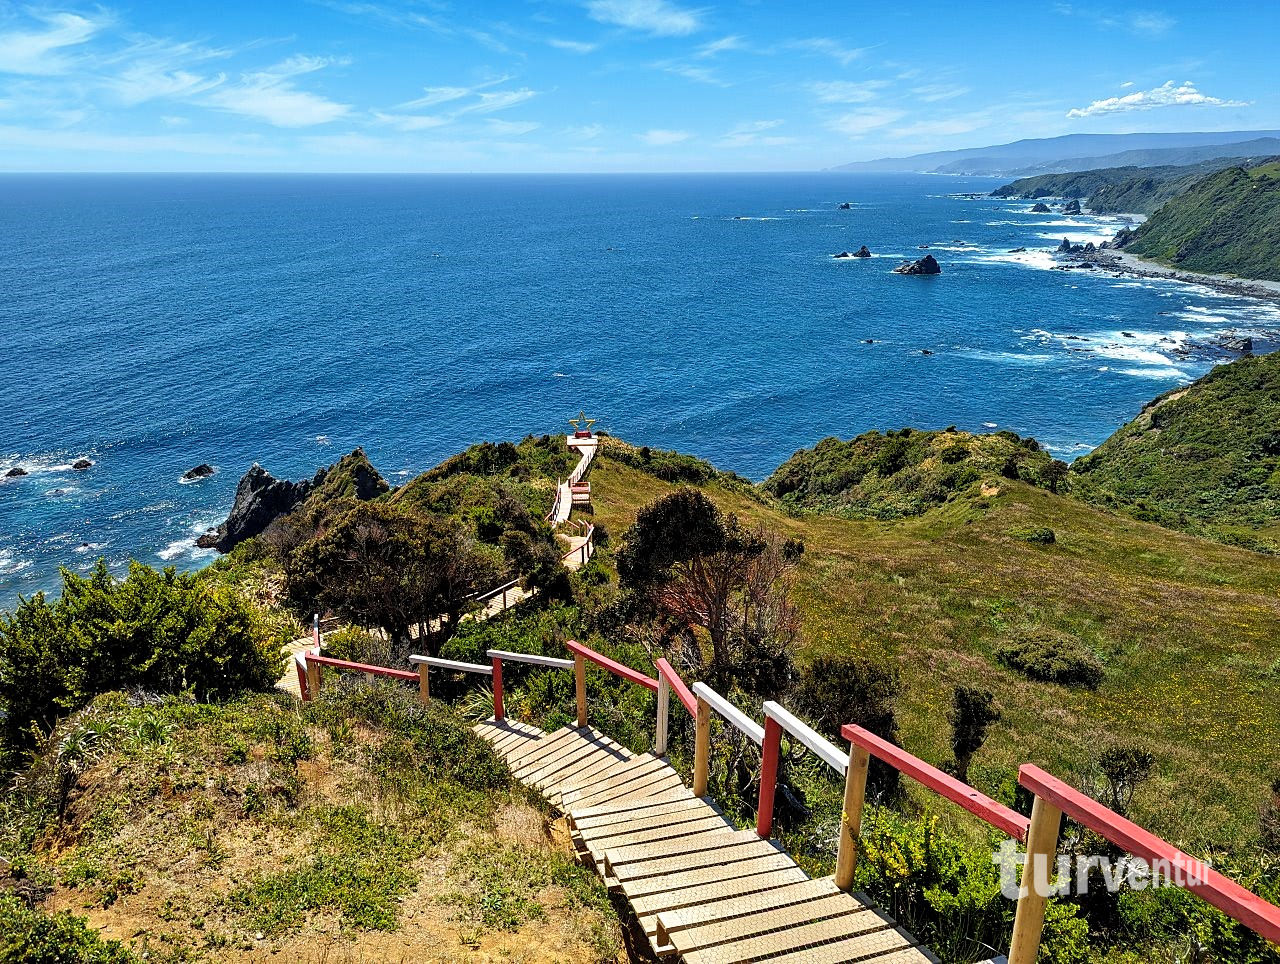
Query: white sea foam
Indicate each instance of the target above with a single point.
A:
(90, 547)
(11, 565)
(1165, 373)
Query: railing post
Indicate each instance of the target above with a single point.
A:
(304, 685)
(664, 704)
(313, 678)
(1037, 881)
(855, 793)
(580, 685)
(315, 630)
(702, 748)
(770, 752)
(424, 684)
(498, 711)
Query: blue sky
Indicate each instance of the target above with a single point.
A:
(606, 85)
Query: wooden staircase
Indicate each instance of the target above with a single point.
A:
(700, 888)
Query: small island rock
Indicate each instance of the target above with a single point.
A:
(926, 265)
(1040, 208)
(81, 464)
(1071, 207)
(16, 472)
(202, 471)
(846, 206)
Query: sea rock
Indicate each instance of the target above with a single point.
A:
(1089, 248)
(868, 341)
(16, 472)
(1071, 207)
(1243, 345)
(926, 265)
(1127, 334)
(1017, 250)
(925, 351)
(1040, 208)
(843, 254)
(81, 464)
(1064, 247)
(261, 498)
(1086, 265)
(846, 206)
(862, 252)
(202, 471)
(922, 247)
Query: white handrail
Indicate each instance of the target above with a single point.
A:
(453, 664)
(481, 597)
(746, 724)
(812, 740)
(549, 661)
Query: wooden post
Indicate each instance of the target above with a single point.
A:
(498, 712)
(580, 684)
(424, 685)
(770, 750)
(664, 704)
(313, 678)
(1037, 879)
(304, 686)
(315, 630)
(702, 748)
(855, 793)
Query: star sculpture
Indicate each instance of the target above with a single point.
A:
(582, 419)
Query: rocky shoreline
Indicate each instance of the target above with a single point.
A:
(1110, 259)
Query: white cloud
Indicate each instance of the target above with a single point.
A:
(573, 46)
(859, 122)
(703, 75)
(586, 132)
(507, 128)
(491, 101)
(411, 122)
(943, 127)
(932, 93)
(442, 95)
(270, 95)
(1146, 23)
(658, 17)
(479, 99)
(825, 45)
(661, 138)
(1127, 83)
(732, 42)
(1166, 95)
(37, 52)
(157, 69)
(752, 134)
(847, 91)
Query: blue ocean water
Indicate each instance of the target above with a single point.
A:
(151, 323)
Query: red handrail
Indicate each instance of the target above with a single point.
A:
(616, 668)
(361, 667)
(683, 693)
(1223, 893)
(977, 803)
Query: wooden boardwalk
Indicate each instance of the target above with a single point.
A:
(701, 889)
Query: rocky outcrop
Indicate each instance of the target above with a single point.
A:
(1040, 208)
(202, 471)
(862, 252)
(846, 206)
(1071, 207)
(261, 498)
(1242, 345)
(926, 265)
(81, 464)
(16, 472)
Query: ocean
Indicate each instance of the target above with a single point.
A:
(150, 323)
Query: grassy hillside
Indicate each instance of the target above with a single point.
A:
(363, 826)
(1184, 629)
(1204, 458)
(1228, 222)
(903, 473)
(1132, 190)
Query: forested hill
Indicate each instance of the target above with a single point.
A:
(1111, 190)
(1228, 222)
(1204, 458)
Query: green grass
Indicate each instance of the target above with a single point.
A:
(1185, 629)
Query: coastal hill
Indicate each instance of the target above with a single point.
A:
(1079, 152)
(1205, 458)
(902, 576)
(1226, 223)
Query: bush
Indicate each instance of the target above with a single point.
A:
(167, 632)
(1050, 657)
(35, 937)
(1040, 536)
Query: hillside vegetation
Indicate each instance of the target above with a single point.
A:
(1227, 223)
(904, 473)
(1205, 458)
(1116, 190)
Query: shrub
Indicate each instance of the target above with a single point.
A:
(972, 712)
(1040, 535)
(167, 632)
(1051, 657)
(35, 937)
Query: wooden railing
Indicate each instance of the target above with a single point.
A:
(1053, 798)
(585, 551)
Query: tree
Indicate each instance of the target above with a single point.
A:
(390, 567)
(707, 571)
(972, 712)
(853, 688)
(1055, 473)
(167, 632)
